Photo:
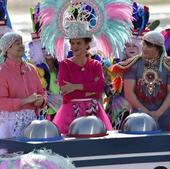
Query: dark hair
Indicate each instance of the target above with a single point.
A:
(87, 40)
(5, 56)
(159, 48)
(149, 44)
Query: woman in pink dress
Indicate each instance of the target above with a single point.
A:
(81, 80)
(21, 93)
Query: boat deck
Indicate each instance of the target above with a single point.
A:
(113, 151)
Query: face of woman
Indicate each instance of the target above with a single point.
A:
(78, 46)
(149, 50)
(17, 49)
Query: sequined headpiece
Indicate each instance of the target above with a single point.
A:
(77, 30)
(95, 17)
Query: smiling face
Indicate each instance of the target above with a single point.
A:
(17, 49)
(79, 46)
(132, 50)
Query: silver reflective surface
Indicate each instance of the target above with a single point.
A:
(139, 122)
(87, 125)
(41, 129)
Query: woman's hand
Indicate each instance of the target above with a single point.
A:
(70, 87)
(29, 99)
(39, 101)
(89, 94)
(34, 98)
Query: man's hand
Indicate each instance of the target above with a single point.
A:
(155, 114)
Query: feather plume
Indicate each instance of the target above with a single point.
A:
(49, 27)
(121, 12)
(112, 34)
(118, 1)
(117, 26)
(47, 16)
(103, 43)
(60, 50)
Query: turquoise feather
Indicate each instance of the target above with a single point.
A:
(53, 3)
(117, 1)
(50, 33)
(118, 32)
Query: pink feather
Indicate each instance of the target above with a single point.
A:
(104, 45)
(48, 164)
(4, 164)
(47, 16)
(119, 12)
(17, 163)
(59, 49)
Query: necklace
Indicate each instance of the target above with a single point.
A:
(82, 69)
(81, 64)
(151, 63)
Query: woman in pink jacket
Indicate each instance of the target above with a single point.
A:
(21, 93)
(82, 81)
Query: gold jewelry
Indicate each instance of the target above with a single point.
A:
(151, 79)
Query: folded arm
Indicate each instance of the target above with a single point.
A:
(94, 87)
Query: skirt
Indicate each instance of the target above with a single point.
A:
(13, 123)
(77, 108)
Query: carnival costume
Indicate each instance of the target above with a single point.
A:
(142, 25)
(152, 78)
(117, 107)
(81, 19)
(111, 29)
(141, 19)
